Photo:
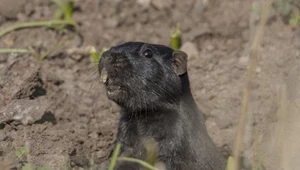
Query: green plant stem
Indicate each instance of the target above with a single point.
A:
(114, 157)
(14, 50)
(143, 163)
(37, 24)
(176, 38)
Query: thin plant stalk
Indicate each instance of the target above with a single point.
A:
(14, 50)
(50, 23)
(114, 157)
(246, 92)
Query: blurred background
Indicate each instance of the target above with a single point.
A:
(60, 116)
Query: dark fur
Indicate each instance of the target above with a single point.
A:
(157, 103)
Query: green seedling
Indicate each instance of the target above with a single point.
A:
(97, 56)
(22, 151)
(64, 10)
(176, 38)
(229, 165)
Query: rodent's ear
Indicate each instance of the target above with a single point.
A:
(179, 62)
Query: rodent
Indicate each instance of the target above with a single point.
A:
(150, 84)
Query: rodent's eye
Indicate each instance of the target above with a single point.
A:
(148, 53)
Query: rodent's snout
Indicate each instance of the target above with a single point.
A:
(112, 67)
(114, 59)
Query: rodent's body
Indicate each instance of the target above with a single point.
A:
(151, 85)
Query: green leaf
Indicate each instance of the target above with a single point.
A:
(96, 56)
(65, 9)
(229, 163)
(68, 10)
(22, 151)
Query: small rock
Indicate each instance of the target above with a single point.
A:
(190, 49)
(77, 57)
(21, 17)
(3, 136)
(243, 62)
(212, 127)
(258, 70)
(94, 135)
(144, 3)
(111, 23)
(201, 5)
(161, 4)
(24, 110)
(210, 47)
(80, 161)
(223, 121)
(215, 113)
(101, 154)
(221, 118)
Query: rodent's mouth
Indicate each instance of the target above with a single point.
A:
(114, 88)
(115, 92)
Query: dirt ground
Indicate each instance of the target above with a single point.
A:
(72, 122)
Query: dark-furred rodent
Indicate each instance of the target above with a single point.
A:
(150, 83)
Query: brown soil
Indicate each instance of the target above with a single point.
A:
(71, 121)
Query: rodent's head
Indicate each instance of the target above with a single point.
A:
(140, 76)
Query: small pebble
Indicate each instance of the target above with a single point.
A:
(144, 3)
(3, 136)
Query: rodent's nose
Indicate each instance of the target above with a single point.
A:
(109, 56)
(113, 57)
